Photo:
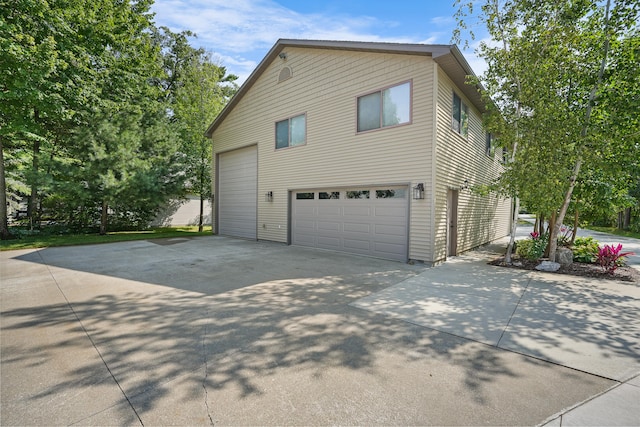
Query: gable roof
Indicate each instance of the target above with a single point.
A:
(448, 57)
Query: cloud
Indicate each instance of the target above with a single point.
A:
(240, 32)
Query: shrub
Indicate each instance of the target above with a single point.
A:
(532, 248)
(585, 249)
(611, 257)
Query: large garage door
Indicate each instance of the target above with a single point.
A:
(366, 221)
(238, 192)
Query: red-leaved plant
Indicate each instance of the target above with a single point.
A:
(611, 257)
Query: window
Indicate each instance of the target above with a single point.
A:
(391, 194)
(304, 196)
(332, 195)
(384, 108)
(459, 121)
(358, 194)
(489, 149)
(291, 132)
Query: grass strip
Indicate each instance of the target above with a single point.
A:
(51, 240)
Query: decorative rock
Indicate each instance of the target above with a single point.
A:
(564, 256)
(548, 266)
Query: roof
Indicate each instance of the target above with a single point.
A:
(448, 57)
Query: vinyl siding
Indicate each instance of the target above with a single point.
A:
(481, 218)
(325, 86)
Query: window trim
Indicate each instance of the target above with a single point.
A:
(380, 91)
(460, 126)
(288, 120)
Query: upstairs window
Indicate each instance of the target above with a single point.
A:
(489, 149)
(291, 132)
(460, 118)
(384, 108)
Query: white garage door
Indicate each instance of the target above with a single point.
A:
(238, 193)
(366, 221)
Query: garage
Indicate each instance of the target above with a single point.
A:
(237, 193)
(366, 221)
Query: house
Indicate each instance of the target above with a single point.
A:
(361, 147)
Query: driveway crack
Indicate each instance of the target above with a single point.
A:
(206, 369)
(95, 347)
(514, 312)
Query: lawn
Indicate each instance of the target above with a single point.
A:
(45, 240)
(614, 230)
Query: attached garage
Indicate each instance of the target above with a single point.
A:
(238, 193)
(366, 221)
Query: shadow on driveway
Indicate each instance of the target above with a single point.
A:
(216, 330)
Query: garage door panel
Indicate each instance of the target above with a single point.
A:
(332, 243)
(386, 248)
(390, 211)
(363, 245)
(355, 210)
(329, 211)
(308, 210)
(303, 225)
(357, 227)
(390, 230)
(325, 226)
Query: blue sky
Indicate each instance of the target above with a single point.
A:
(239, 33)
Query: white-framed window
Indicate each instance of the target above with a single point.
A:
(489, 148)
(291, 132)
(387, 107)
(460, 116)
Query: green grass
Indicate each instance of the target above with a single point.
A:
(614, 230)
(46, 241)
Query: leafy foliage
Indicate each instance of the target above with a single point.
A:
(585, 249)
(98, 112)
(533, 247)
(611, 257)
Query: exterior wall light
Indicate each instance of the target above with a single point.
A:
(418, 191)
(465, 185)
(268, 196)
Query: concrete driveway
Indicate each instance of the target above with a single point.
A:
(214, 330)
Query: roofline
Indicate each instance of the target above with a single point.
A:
(440, 53)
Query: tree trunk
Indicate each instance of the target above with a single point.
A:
(200, 221)
(541, 225)
(4, 220)
(104, 218)
(514, 225)
(576, 223)
(552, 224)
(583, 133)
(32, 206)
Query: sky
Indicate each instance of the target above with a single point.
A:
(239, 33)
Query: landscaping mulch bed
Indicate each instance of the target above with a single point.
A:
(625, 274)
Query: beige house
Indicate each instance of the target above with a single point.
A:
(367, 148)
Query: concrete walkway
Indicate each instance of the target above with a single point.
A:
(586, 324)
(214, 330)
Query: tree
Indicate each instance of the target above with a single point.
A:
(196, 89)
(204, 91)
(557, 61)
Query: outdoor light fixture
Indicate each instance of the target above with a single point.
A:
(268, 196)
(282, 55)
(418, 191)
(465, 185)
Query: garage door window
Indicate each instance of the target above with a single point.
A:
(391, 194)
(323, 195)
(305, 196)
(358, 194)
